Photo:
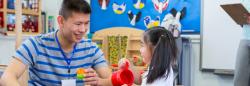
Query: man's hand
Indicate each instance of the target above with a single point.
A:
(91, 77)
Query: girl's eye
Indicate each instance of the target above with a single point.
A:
(142, 45)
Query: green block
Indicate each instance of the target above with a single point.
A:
(80, 76)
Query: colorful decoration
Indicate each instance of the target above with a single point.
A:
(160, 6)
(119, 9)
(138, 61)
(133, 18)
(1, 3)
(139, 4)
(51, 24)
(117, 46)
(113, 44)
(172, 23)
(153, 8)
(80, 73)
(148, 22)
(104, 4)
(1, 20)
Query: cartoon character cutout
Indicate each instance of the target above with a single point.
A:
(119, 9)
(104, 4)
(148, 22)
(134, 18)
(160, 6)
(139, 4)
(172, 23)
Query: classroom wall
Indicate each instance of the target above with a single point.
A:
(198, 78)
(205, 78)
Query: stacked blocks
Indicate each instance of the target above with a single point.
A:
(80, 73)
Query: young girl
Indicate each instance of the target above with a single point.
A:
(159, 52)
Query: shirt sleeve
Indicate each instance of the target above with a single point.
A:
(27, 51)
(98, 58)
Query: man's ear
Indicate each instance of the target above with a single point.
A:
(60, 20)
(183, 13)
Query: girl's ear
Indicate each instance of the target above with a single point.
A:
(183, 13)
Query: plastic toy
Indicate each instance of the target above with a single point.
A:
(80, 73)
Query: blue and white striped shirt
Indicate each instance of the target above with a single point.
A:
(47, 66)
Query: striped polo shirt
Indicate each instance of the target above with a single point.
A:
(47, 65)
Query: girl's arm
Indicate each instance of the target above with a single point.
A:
(137, 76)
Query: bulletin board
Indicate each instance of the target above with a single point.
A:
(115, 13)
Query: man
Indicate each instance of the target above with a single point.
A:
(242, 73)
(53, 58)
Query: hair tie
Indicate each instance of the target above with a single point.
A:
(163, 36)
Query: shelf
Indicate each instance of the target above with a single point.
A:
(3, 65)
(35, 14)
(97, 39)
(25, 11)
(12, 33)
(137, 38)
(135, 67)
(134, 50)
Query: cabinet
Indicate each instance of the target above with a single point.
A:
(120, 42)
(31, 16)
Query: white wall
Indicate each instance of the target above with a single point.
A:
(51, 8)
(6, 49)
(206, 78)
(220, 40)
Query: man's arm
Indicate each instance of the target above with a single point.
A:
(103, 72)
(11, 74)
(98, 77)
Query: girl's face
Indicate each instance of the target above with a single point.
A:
(145, 52)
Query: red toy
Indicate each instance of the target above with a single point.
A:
(123, 76)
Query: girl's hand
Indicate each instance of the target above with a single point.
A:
(122, 63)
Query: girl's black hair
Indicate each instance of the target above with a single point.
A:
(164, 52)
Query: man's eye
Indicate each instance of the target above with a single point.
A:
(78, 24)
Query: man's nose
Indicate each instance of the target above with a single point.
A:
(82, 28)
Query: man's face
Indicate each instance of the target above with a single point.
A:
(75, 26)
